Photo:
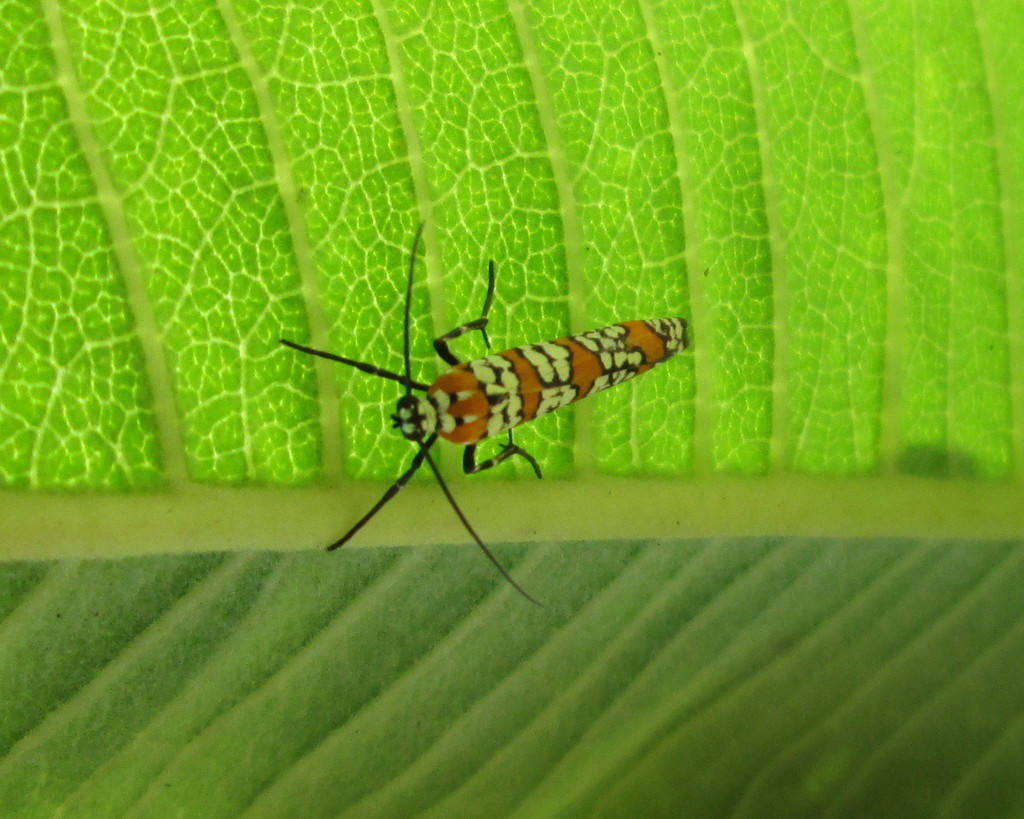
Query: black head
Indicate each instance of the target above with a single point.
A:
(414, 417)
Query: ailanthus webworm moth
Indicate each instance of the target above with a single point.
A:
(483, 398)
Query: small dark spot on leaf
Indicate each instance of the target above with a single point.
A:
(934, 461)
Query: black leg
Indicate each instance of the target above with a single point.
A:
(469, 464)
(472, 531)
(441, 344)
(393, 490)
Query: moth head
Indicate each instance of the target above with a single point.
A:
(415, 417)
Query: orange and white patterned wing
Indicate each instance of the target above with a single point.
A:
(485, 397)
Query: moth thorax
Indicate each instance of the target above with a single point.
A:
(415, 417)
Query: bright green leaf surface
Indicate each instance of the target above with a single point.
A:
(830, 194)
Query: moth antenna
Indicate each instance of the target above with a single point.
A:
(406, 382)
(408, 307)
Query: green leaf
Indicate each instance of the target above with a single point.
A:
(830, 194)
(703, 678)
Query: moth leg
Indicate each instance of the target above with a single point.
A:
(392, 491)
(441, 343)
(465, 522)
(469, 464)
